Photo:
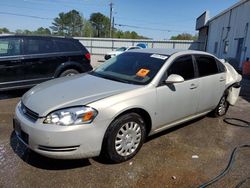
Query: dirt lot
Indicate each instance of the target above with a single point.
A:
(165, 160)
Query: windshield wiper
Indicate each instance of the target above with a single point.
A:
(110, 78)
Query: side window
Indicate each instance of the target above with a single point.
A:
(38, 46)
(10, 47)
(183, 66)
(206, 65)
(66, 46)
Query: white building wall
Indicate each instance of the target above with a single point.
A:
(219, 32)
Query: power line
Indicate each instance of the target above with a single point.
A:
(149, 28)
(24, 15)
(148, 22)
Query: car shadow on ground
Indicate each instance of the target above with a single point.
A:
(175, 128)
(42, 162)
(12, 93)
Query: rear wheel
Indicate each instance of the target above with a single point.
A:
(69, 72)
(124, 138)
(222, 107)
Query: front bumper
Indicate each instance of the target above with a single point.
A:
(62, 142)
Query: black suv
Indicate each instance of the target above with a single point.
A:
(28, 60)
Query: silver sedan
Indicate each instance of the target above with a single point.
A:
(112, 109)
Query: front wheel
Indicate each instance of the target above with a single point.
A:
(221, 108)
(124, 137)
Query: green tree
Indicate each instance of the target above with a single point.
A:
(42, 31)
(101, 24)
(70, 24)
(184, 36)
(4, 30)
(118, 34)
(88, 30)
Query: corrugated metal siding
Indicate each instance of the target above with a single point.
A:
(101, 46)
(218, 32)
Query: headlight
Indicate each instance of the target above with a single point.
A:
(71, 116)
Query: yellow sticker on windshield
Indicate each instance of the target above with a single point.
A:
(142, 73)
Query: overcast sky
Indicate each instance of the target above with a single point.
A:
(158, 19)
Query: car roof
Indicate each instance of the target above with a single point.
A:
(169, 52)
(35, 36)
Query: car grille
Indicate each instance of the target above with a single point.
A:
(29, 113)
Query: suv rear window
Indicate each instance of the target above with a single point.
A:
(67, 45)
(206, 65)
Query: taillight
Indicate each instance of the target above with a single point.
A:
(87, 55)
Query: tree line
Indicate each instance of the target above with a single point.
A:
(73, 24)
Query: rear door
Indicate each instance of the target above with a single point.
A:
(40, 59)
(12, 69)
(179, 100)
(211, 81)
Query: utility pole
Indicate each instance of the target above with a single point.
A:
(113, 26)
(110, 19)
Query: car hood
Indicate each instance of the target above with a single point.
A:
(71, 91)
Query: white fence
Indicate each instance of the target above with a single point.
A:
(100, 46)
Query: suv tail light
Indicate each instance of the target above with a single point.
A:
(87, 55)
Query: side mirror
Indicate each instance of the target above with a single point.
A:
(174, 78)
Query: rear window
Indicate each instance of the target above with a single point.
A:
(68, 45)
(39, 46)
(206, 65)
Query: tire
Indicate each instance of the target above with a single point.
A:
(124, 138)
(69, 72)
(221, 108)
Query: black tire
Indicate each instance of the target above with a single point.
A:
(221, 108)
(69, 72)
(110, 151)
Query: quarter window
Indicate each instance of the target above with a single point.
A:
(206, 65)
(10, 47)
(221, 67)
(66, 46)
(183, 66)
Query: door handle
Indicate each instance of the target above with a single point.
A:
(193, 86)
(16, 61)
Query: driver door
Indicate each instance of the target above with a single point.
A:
(178, 100)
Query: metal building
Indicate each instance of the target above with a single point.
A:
(227, 35)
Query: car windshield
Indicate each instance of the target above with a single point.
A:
(131, 67)
(122, 49)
